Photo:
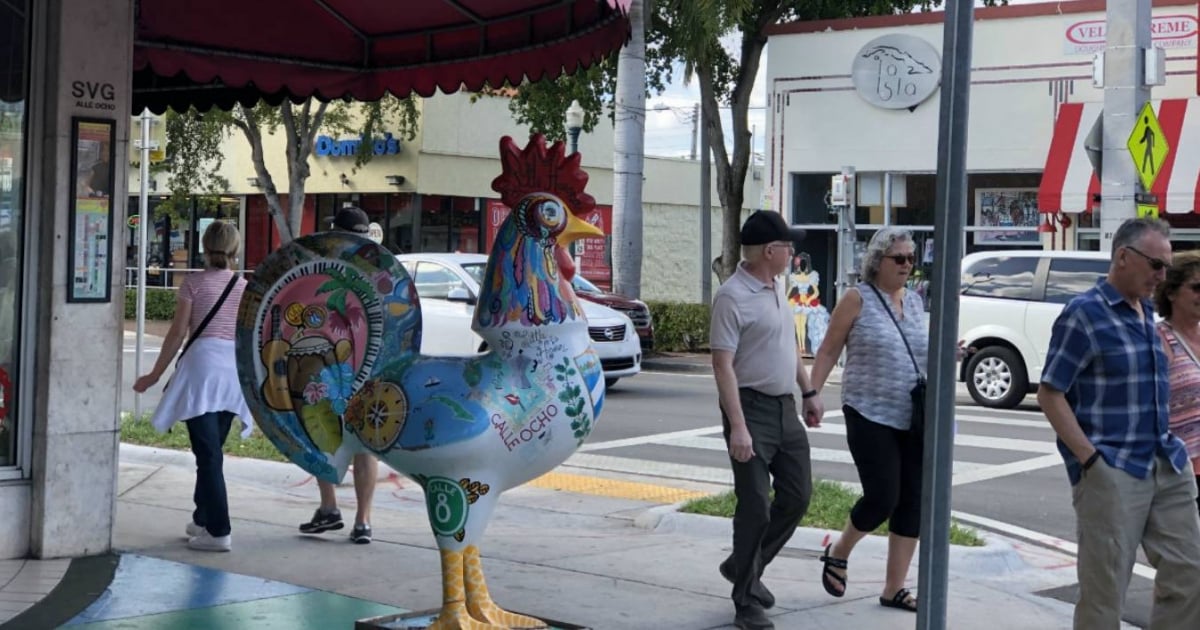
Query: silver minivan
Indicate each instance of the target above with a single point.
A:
(1007, 307)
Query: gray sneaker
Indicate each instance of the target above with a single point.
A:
(361, 534)
(323, 522)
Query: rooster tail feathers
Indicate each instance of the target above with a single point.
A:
(315, 317)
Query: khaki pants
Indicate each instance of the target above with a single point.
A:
(1116, 511)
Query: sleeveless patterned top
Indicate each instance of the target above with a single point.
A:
(1184, 376)
(879, 374)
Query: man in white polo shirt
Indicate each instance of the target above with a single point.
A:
(756, 363)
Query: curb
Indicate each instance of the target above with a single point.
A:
(997, 557)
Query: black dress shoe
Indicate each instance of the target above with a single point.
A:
(752, 618)
(758, 590)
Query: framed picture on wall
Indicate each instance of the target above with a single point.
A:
(1006, 216)
(91, 210)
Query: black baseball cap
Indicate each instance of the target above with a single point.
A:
(767, 226)
(351, 219)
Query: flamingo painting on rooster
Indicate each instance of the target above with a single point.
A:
(328, 339)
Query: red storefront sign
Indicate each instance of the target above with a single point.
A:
(594, 259)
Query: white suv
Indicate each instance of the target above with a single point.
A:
(1009, 301)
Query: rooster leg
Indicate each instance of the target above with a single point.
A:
(479, 601)
(454, 615)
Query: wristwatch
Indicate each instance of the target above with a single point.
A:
(1091, 460)
(812, 393)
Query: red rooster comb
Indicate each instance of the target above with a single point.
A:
(538, 168)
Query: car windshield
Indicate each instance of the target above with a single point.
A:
(582, 284)
(475, 270)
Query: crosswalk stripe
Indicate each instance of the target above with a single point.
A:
(816, 454)
(966, 439)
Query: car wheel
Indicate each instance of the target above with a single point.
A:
(996, 378)
(609, 382)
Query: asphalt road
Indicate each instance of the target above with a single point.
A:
(1006, 468)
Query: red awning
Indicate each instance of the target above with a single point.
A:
(221, 52)
(1069, 184)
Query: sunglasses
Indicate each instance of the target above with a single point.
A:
(1155, 263)
(900, 259)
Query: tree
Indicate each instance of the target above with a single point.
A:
(690, 32)
(628, 158)
(193, 139)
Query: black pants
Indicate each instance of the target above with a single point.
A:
(761, 526)
(889, 468)
(207, 434)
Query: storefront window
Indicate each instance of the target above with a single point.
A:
(13, 88)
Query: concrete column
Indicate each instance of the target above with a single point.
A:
(87, 46)
(1127, 36)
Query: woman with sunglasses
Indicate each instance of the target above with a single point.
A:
(1177, 300)
(884, 330)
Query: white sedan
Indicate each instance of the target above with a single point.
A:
(448, 285)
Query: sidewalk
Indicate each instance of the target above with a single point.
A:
(596, 561)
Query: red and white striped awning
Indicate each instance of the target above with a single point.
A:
(1069, 184)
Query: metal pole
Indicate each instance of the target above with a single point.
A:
(143, 219)
(950, 208)
(847, 233)
(705, 213)
(1127, 37)
(887, 198)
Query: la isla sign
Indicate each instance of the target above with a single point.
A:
(1166, 31)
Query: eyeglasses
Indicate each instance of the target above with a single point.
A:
(900, 259)
(1155, 263)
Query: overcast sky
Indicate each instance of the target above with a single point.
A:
(669, 132)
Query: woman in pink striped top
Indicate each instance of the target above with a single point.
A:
(1177, 300)
(204, 391)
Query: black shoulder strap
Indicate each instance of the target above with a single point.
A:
(888, 308)
(208, 318)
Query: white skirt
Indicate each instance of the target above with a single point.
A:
(205, 381)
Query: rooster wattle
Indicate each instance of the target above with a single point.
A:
(327, 352)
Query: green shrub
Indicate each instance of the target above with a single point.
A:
(160, 304)
(679, 326)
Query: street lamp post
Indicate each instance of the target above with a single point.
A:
(574, 125)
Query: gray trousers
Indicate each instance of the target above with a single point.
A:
(761, 526)
(1115, 512)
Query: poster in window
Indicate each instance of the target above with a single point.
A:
(91, 210)
(1012, 211)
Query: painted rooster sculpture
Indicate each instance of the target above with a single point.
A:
(329, 330)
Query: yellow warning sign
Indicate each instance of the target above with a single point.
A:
(1147, 210)
(1147, 146)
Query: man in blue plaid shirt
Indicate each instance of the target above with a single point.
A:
(1105, 391)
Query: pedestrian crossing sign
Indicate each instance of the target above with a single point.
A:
(1147, 146)
(1147, 210)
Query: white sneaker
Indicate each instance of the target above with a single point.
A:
(194, 530)
(207, 542)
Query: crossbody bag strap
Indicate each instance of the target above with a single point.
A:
(208, 318)
(895, 321)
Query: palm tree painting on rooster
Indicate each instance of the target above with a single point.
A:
(327, 346)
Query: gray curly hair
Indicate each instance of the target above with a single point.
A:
(881, 242)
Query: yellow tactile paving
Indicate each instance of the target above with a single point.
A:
(603, 487)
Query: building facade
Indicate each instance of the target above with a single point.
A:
(863, 93)
(433, 194)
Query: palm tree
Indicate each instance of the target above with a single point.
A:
(629, 135)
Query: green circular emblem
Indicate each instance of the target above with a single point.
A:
(447, 505)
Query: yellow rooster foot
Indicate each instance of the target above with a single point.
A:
(479, 601)
(454, 616)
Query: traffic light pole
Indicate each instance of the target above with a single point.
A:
(1125, 92)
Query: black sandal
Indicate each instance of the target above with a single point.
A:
(830, 563)
(903, 599)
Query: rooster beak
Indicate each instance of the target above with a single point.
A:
(576, 229)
